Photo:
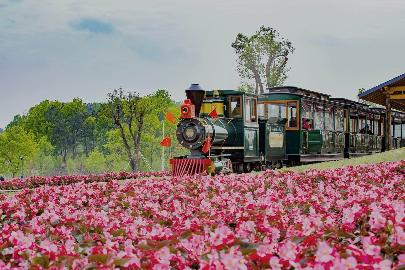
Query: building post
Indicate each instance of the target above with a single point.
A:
(388, 120)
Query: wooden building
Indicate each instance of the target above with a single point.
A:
(391, 95)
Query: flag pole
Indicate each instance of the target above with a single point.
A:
(163, 149)
(209, 149)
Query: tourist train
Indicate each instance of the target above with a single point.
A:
(233, 131)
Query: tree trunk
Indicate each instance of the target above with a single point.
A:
(256, 88)
(268, 70)
(258, 80)
(132, 161)
(137, 142)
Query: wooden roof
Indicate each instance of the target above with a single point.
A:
(394, 89)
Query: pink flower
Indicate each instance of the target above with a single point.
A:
(163, 256)
(274, 263)
(401, 259)
(222, 236)
(383, 265)
(288, 251)
(400, 235)
(369, 247)
(349, 263)
(377, 220)
(233, 261)
(323, 253)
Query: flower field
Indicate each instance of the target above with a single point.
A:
(36, 181)
(349, 218)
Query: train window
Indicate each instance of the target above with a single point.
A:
(329, 118)
(318, 117)
(353, 125)
(250, 112)
(397, 130)
(276, 112)
(307, 111)
(307, 115)
(253, 109)
(260, 110)
(376, 127)
(235, 107)
(382, 126)
(292, 114)
(362, 125)
(339, 119)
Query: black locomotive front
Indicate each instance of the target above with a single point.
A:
(194, 132)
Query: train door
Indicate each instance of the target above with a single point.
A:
(274, 132)
(315, 140)
(251, 130)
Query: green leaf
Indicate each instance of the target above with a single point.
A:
(120, 262)
(98, 258)
(41, 260)
(119, 232)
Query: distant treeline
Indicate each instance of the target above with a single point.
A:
(56, 137)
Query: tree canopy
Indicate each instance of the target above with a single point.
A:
(76, 137)
(262, 58)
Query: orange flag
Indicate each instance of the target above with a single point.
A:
(207, 144)
(213, 113)
(170, 117)
(166, 142)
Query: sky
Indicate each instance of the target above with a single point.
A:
(62, 49)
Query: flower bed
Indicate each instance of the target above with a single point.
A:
(350, 218)
(36, 181)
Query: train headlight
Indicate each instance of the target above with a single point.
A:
(190, 133)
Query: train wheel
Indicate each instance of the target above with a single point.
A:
(238, 168)
(247, 167)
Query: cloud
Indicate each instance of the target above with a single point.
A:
(93, 25)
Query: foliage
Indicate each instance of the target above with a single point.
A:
(16, 143)
(43, 161)
(96, 162)
(263, 57)
(246, 87)
(133, 114)
(75, 137)
(348, 218)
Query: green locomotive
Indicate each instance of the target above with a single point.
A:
(285, 126)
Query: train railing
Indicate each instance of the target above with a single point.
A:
(365, 143)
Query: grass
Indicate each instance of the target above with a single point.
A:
(393, 155)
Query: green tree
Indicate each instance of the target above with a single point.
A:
(43, 162)
(263, 57)
(129, 112)
(115, 153)
(95, 162)
(15, 142)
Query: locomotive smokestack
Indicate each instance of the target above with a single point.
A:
(196, 94)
